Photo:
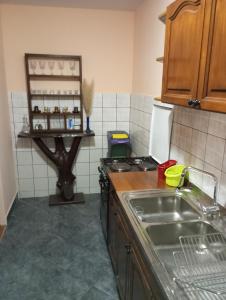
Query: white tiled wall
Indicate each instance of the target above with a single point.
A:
(37, 175)
(199, 139)
(140, 123)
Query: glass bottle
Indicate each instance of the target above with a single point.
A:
(26, 126)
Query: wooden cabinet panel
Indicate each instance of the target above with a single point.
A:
(133, 278)
(138, 287)
(123, 251)
(212, 88)
(184, 31)
(112, 214)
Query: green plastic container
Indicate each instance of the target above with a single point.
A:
(173, 175)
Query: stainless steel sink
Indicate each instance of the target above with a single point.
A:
(165, 238)
(168, 234)
(162, 207)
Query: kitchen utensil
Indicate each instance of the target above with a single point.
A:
(42, 64)
(51, 64)
(75, 110)
(36, 109)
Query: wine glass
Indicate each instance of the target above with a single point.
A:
(72, 66)
(51, 64)
(42, 64)
(61, 66)
(33, 65)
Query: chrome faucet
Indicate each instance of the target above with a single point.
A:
(208, 210)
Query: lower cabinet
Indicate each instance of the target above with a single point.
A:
(138, 284)
(132, 278)
(122, 257)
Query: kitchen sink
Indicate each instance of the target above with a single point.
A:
(162, 207)
(168, 234)
(166, 242)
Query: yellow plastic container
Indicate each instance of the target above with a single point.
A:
(173, 175)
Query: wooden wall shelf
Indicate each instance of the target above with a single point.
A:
(42, 73)
(54, 77)
(62, 96)
(55, 114)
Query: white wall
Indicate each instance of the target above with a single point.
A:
(7, 169)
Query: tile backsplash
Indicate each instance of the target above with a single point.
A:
(140, 123)
(36, 175)
(199, 139)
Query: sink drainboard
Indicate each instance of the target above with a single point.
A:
(202, 262)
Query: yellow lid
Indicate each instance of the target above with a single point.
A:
(120, 136)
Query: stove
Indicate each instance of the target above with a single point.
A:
(128, 164)
(125, 164)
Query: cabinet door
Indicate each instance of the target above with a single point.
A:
(112, 214)
(212, 87)
(139, 288)
(123, 251)
(183, 42)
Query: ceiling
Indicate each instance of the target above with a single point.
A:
(94, 4)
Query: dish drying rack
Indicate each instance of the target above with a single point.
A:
(202, 263)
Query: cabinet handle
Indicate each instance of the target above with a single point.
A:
(193, 102)
(190, 102)
(196, 103)
(128, 249)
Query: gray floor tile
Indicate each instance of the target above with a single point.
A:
(55, 253)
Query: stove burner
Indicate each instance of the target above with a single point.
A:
(120, 167)
(147, 166)
(114, 161)
(137, 161)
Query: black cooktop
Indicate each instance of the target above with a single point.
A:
(129, 164)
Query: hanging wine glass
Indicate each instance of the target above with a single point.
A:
(72, 66)
(61, 66)
(33, 65)
(42, 64)
(51, 64)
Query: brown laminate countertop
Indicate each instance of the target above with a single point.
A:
(127, 181)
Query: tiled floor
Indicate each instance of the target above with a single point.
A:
(55, 253)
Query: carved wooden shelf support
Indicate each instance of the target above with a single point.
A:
(64, 161)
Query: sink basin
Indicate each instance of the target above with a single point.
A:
(158, 208)
(165, 238)
(168, 234)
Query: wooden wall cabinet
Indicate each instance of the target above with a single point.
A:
(194, 61)
(133, 278)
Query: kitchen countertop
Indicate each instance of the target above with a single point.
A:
(127, 181)
(137, 181)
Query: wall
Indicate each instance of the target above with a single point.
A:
(7, 171)
(140, 123)
(103, 38)
(37, 176)
(148, 45)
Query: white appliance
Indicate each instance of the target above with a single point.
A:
(160, 133)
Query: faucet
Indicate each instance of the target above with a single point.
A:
(208, 210)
